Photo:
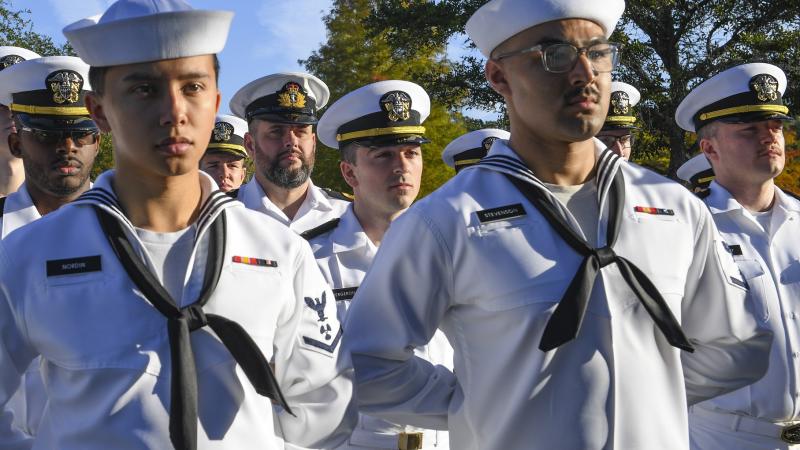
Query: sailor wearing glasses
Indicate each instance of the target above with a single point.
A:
(588, 300)
(57, 143)
(617, 131)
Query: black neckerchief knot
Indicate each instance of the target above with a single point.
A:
(567, 318)
(181, 322)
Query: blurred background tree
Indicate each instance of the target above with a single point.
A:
(670, 46)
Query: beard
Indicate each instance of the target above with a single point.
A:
(287, 177)
(56, 186)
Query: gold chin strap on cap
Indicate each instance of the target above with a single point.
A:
(620, 119)
(744, 109)
(465, 162)
(229, 146)
(50, 110)
(380, 132)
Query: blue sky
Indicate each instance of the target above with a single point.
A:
(267, 36)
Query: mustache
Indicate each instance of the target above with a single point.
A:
(589, 91)
(67, 161)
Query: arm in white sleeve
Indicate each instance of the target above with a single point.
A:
(731, 350)
(315, 376)
(398, 307)
(15, 356)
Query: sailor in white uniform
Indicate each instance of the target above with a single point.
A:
(588, 300)
(381, 159)
(166, 314)
(57, 143)
(618, 130)
(225, 158)
(281, 110)
(739, 117)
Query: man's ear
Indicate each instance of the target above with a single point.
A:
(249, 145)
(496, 76)
(348, 174)
(95, 106)
(14, 145)
(709, 148)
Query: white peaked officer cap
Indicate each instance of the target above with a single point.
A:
(136, 31)
(745, 93)
(469, 148)
(620, 108)
(284, 97)
(48, 93)
(228, 136)
(498, 20)
(388, 112)
(10, 55)
(696, 171)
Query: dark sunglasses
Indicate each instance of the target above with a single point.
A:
(53, 137)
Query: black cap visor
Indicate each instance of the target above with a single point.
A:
(57, 123)
(389, 140)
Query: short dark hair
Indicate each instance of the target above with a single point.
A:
(97, 76)
(348, 152)
(707, 131)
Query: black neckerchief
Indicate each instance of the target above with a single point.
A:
(182, 321)
(566, 320)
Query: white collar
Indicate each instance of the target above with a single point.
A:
(18, 210)
(349, 234)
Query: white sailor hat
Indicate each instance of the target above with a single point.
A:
(469, 148)
(697, 172)
(496, 21)
(47, 93)
(228, 136)
(10, 55)
(136, 31)
(384, 113)
(620, 109)
(746, 93)
(284, 97)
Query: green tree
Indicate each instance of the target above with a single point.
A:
(670, 46)
(352, 58)
(16, 28)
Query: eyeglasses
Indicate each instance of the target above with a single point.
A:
(52, 137)
(561, 58)
(609, 140)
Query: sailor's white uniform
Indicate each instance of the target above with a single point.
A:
(478, 260)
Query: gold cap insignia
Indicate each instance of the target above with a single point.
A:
(9, 60)
(66, 86)
(620, 103)
(397, 104)
(765, 87)
(222, 131)
(292, 95)
(487, 143)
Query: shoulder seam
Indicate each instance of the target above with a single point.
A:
(320, 229)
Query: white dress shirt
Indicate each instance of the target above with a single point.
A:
(491, 284)
(105, 348)
(769, 259)
(344, 255)
(317, 208)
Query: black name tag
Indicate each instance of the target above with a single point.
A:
(735, 250)
(73, 265)
(501, 213)
(344, 294)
